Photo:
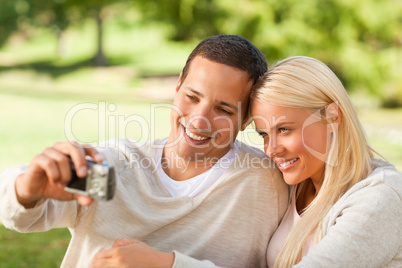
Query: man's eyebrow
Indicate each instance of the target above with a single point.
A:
(194, 91)
(224, 103)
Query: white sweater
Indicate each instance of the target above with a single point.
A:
(363, 229)
(229, 224)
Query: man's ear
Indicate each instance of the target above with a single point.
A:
(333, 115)
(179, 82)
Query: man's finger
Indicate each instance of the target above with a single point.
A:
(77, 154)
(62, 163)
(83, 200)
(101, 260)
(93, 153)
(124, 242)
(105, 254)
(47, 165)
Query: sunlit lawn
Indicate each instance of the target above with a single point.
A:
(34, 249)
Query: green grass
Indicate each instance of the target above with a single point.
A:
(33, 249)
(384, 130)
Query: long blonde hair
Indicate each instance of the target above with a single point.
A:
(307, 83)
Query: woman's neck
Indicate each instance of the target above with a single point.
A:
(306, 195)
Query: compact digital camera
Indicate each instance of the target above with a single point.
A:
(99, 183)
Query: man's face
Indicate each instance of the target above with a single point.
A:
(209, 110)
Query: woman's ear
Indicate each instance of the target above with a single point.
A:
(333, 115)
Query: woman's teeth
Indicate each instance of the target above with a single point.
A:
(288, 163)
(195, 137)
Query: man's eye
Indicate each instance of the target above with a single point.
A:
(191, 97)
(222, 110)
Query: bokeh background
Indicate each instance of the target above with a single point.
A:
(90, 70)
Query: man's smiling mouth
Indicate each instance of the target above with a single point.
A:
(194, 136)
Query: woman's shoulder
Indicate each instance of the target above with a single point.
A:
(384, 173)
(367, 220)
(377, 198)
(383, 184)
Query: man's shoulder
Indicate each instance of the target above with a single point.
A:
(129, 149)
(250, 150)
(124, 144)
(253, 168)
(253, 159)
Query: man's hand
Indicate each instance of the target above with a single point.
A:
(50, 171)
(132, 253)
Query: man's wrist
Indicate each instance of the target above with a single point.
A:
(26, 203)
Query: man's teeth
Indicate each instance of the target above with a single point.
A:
(195, 137)
(288, 163)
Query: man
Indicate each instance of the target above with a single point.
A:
(202, 195)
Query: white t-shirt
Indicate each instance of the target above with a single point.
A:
(198, 184)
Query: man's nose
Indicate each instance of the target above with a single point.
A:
(201, 118)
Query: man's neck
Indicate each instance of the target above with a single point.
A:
(180, 169)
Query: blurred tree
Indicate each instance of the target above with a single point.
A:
(57, 14)
(187, 18)
(10, 11)
(19, 15)
(361, 39)
(95, 9)
(356, 38)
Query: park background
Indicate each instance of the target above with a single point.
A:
(95, 69)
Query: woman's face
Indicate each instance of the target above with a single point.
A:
(296, 139)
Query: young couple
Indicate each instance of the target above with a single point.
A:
(344, 207)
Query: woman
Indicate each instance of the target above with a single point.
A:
(345, 208)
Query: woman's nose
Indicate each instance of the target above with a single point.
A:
(272, 147)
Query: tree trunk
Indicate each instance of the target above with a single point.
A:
(62, 43)
(100, 59)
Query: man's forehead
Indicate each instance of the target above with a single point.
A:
(199, 58)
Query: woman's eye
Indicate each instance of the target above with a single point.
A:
(262, 134)
(283, 130)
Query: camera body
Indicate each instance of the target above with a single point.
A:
(99, 183)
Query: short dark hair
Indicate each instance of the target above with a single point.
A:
(232, 50)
